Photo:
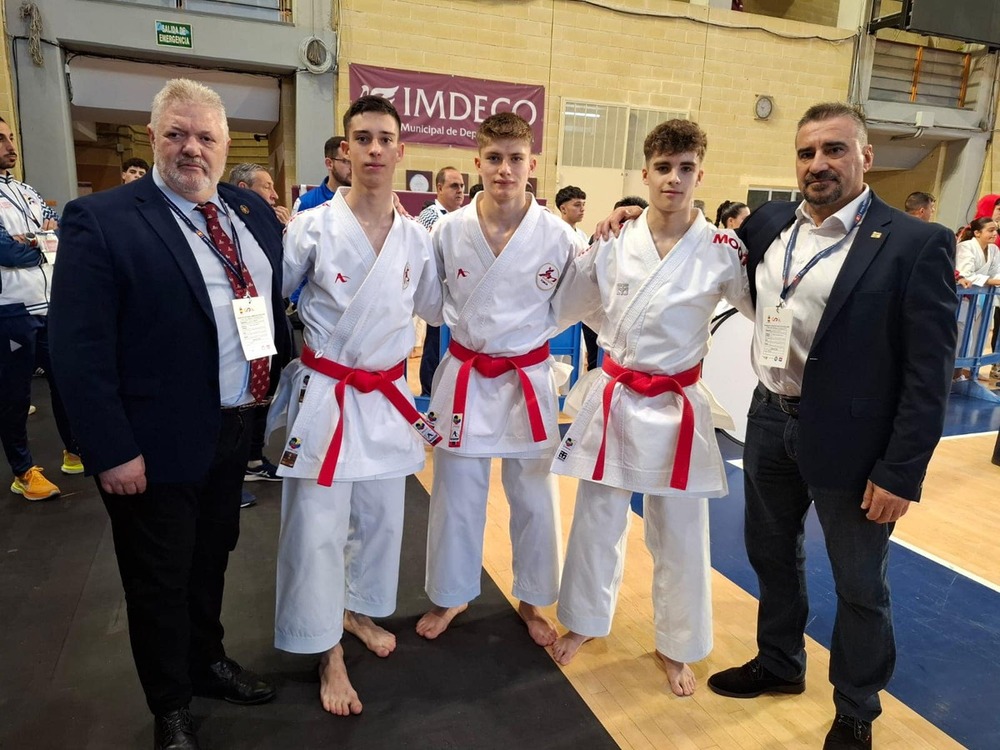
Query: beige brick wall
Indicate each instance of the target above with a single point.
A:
(582, 52)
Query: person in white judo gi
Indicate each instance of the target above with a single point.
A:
(645, 424)
(494, 395)
(353, 433)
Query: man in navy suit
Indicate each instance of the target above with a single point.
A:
(154, 285)
(854, 345)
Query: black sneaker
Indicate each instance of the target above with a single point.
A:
(247, 500)
(266, 472)
(848, 733)
(752, 680)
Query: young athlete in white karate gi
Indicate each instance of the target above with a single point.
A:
(645, 424)
(353, 432)
(501, 259)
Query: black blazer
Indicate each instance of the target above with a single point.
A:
(876, 381)
(134, 346)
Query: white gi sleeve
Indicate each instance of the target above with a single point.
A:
(301, 239)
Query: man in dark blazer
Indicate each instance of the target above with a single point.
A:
(146, 345)
(854, 354)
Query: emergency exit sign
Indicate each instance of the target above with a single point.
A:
(170, 34)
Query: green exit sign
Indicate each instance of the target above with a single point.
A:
(170, 34)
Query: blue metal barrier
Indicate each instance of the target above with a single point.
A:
(972, 342)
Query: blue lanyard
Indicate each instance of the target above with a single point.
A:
(237, 272)
(790, 286)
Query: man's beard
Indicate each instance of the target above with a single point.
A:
(832, 194)
(187, 182)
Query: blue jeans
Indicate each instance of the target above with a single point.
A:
(862, 651)
(28, 336)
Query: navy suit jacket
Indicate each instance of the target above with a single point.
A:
(876, 381)
(135, 351)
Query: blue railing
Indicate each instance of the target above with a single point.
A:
(972, 339)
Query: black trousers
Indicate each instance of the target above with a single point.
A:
(173, 544)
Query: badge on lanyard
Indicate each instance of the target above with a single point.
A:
(48, 243)
(252, 324)
(776, 342)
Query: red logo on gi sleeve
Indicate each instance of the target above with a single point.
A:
(547, 277)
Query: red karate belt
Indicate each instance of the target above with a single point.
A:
(365, 381)
(653, 385)
(494, 367)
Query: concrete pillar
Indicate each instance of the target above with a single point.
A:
(960, 180)
(315, 122)
(45, 131)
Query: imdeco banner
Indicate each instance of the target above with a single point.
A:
(446, 110)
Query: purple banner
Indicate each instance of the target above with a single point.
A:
(446, 110)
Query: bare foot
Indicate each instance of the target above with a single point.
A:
(679, 675)
(565, 648)
(336, 693)
(540, 628)
(378, 640)
(435, 622)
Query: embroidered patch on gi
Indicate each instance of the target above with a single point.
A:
(547, 277)
(302, 391)
(462, 273)
(341, 279)
(455, 437)
(406, 276)
(294, 444)
(288, 459)
(432, 417)
(622, 290)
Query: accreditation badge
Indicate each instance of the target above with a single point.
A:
(776, 341)
(255, 331)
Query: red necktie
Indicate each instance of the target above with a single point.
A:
(260, 369)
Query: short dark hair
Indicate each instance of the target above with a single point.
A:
(135, 161)
(832, 110)
(503, 126)
(632, 200)
(371, 103)
(675, 137)
(917, 200)
(332, 146)
(569, 193)
(728, 210)
(439, 177)
(477, 188)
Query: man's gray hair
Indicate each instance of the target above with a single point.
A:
(832, 110)
(186, 91)
(245, 173)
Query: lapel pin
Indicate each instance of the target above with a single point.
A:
(244, 209)
(876, 235)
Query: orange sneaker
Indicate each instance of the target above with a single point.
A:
(33, 485)
(71, 463)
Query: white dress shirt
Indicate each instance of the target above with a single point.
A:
(808, 300)
(234, 370)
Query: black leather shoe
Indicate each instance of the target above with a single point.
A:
(751, 680)
(848, 733)
(228, 680)
(173, 730)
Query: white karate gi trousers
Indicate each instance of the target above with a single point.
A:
(457, 525)
(338, 549)
(677, 537)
